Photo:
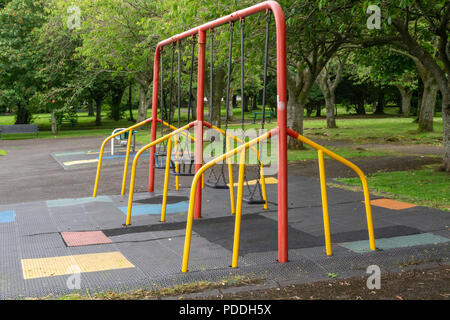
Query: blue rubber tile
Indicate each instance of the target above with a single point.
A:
(396, 242)
(73, 202)
(173, 208)
(7, 216)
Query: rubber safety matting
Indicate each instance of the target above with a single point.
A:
(85, 238)
(396, 242)
(392, 204)
(7, 216)
(56, 266)
(172, 208)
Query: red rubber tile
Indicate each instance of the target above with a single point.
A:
(85, 238)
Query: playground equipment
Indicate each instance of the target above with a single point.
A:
(281, 132)
(122, 139)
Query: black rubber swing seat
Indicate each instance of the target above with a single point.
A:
(215, 181)
(216, 185)
(186, 167)
(253, 201)
(160, 160)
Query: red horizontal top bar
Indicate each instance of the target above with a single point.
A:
(238, 15)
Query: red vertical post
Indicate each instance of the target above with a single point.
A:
(199, 122)
(282, 134)
(151, 175)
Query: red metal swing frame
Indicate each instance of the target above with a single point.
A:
(201, 33)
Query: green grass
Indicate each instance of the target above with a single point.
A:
(309, 153)
(376, 130)
(175, 290)
(426, 187)
(358, 129)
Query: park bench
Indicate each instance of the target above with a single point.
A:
(19, 128)
(70, 121)
(258, 115)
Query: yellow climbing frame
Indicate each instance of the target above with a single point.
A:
(102, 149)
(190, 218)
(323, 186)
(127, 157)
(136, 158)
(242, 149)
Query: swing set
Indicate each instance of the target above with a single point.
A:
(166, 152)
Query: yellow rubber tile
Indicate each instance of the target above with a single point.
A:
(269, 180)
(72, 163)
(57, 266)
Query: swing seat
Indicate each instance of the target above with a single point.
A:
(186, 167)
(253, 201)
(216, 185)
(215, 181)
(160, 161)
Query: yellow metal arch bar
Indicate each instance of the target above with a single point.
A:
(102, 149)
(198, 175)
(127, 157)
(237, 224)
(136, 158)
(230, 176)
(322, 150)
(166, 180)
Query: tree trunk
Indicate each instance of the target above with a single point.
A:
(428, 104)
(295, 110)
(330, 104)
(54, 125)
(328, 87)
(130, 103)
(90, 107)
(318, 110)
(23, 115)
(231, 104)
(143, 103)
(406, 95)
(446, 124)
(98, 116)
(360, 105)
(254, 102)
(116, 94)
(245, 103)
(309, 109)
(381, 103)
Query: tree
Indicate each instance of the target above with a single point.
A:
(18, 55)
(118, 37)
(317, 30)
(66, 79)
(412, 26)
(328, 80)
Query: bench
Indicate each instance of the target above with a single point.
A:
(71, 121)
(258, 115)
(19, 128)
